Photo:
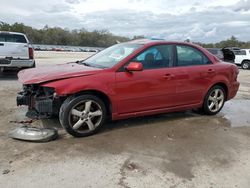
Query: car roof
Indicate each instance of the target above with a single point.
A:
(213, 48)
(11, 33)
(158, 41)
(144, 41)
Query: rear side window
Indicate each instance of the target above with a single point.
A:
(188, 56)
(240, 52)
(12, 38)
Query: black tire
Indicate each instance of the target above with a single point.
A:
(34, 65)
(198, 111)
(67, 119)
(245, 65)
(208, 107)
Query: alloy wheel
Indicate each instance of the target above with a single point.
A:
(85, 116)
(216, 100)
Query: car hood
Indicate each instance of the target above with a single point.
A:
(54, 72)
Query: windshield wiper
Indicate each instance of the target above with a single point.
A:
(86, 64)
(90, 64)
(98, 66)
(83, 63)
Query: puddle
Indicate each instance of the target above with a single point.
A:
(237, 112)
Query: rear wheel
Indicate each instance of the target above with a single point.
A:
(82, 115)
(214, 100)
(34, 65)
(245, 65)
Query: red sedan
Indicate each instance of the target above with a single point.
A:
(136, 78)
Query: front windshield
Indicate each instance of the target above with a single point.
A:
(111, 56)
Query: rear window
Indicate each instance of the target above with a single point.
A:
(5, 37)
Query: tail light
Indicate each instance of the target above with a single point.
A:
(31, 53)
(235, 72)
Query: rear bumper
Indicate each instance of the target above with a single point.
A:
(17, 63)
(233, 90)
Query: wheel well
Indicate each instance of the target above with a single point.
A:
(102, 96)
(224, 86)
(245, 60)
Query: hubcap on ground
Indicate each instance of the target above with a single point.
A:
(216, 100)
(85, 116)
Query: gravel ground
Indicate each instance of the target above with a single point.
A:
(170, 150)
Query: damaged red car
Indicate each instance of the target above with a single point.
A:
(136, 78)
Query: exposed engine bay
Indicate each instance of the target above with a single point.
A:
(41, 101)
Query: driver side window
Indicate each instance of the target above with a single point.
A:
(155, 57)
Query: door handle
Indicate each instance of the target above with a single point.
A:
(211, 71)
(168, 76)
(1, 44)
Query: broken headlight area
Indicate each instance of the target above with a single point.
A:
(40, 100)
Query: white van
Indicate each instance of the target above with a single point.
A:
(15, 51)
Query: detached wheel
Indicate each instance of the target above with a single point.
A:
(214, 100)
(245, 65)
(82, 115)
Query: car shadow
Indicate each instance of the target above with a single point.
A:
(8, 74)
(128, 123)
(145, 120)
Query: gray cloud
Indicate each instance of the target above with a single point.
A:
(73, 1)
(242, 5)
(210, 24)
(58, 8)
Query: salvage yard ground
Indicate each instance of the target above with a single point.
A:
(171, 150)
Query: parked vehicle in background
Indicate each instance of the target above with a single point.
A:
(223, 54)
(137, 78)
(242, 58)
(217, 52)
(232, 48)
(15, 51)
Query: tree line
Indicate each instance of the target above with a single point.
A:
(231, 42)
(59, 36)
(96, 38)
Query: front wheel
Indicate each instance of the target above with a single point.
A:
(214, 100)
(82, 115)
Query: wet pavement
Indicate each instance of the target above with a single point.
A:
(237, 113)
(181, 149)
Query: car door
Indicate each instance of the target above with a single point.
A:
(149, 89)
(194, 75)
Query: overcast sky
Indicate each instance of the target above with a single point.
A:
(205, 21)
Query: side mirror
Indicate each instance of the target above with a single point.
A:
(134, 66)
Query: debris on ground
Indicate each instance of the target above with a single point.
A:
(33, 134)
(23, 122)
(6, 171)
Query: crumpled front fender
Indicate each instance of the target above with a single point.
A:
(71, 86)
